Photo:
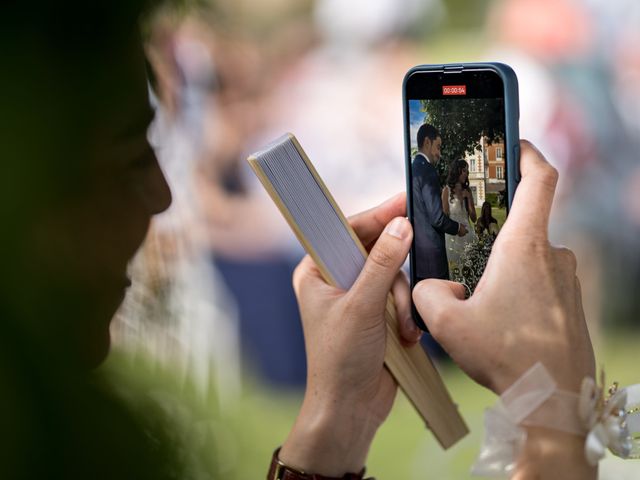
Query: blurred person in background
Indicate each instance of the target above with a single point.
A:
(564, 53)
(248, 245)
(486, 222)
(341, 97)
(306, 73)
(535, 37)
(338, 92)
(173, 278)
(220, 235)
(457, 203)
(612, 97)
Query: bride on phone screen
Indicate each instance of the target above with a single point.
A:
(457, 203)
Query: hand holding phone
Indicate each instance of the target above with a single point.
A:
(528, 308)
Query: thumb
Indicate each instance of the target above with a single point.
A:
(369, 292)
(529, 215)
(439, 303)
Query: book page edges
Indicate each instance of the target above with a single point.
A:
(266, 183)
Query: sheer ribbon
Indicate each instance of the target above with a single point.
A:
(611, 421)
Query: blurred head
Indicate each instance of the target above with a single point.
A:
(84, 182)
(458, 173)
(550, 30)
(485, 212)
(429, 142)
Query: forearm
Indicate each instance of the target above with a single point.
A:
(472, 213)
(472, 208)
(551, 454)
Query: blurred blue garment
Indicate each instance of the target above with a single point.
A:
(270, 328)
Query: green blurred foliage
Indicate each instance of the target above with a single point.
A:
(464, 15)
(492, 198)
(245, 432)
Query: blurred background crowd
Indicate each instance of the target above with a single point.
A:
(211, 318)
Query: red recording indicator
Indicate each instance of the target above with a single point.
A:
(454, 90)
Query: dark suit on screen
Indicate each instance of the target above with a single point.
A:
(430, 222)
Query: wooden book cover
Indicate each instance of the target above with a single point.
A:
(294, 185)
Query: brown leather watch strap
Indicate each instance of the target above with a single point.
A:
(280, 471)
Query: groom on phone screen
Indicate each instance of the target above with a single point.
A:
(430, 222)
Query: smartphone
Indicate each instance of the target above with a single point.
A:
(462, 166)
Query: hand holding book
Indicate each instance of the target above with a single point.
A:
(295, 186)
(349, 392)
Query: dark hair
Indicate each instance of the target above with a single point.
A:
(455, 169)
(454, 174)
(486, 218)
(426, 131)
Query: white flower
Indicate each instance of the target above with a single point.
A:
(605, 421)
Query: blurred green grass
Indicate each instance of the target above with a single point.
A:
(248, 429)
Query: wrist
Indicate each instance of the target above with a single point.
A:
(534, 431)
(329, 439)
(547, 452)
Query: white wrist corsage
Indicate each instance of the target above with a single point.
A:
(607, 421)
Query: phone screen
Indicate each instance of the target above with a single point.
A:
(457, 172)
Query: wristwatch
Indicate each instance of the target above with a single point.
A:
(280, 471)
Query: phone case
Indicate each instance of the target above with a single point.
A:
(512, 135)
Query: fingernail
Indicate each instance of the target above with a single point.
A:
(399, 228)
(411, 327)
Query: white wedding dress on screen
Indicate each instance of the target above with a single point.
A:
(455, 245)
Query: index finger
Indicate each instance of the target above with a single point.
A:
(369, 224)
(534, 196)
